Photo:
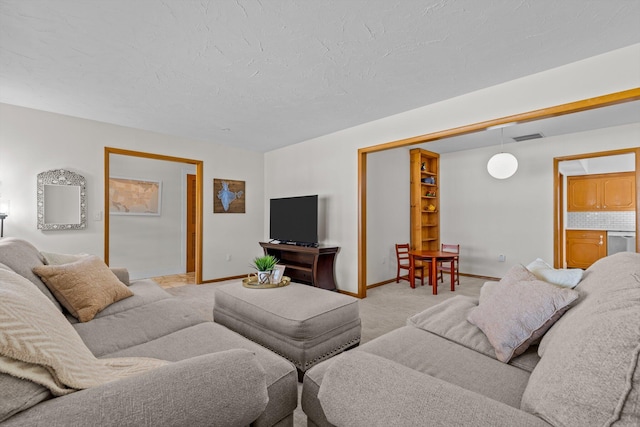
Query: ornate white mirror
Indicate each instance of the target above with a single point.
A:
(61, 200)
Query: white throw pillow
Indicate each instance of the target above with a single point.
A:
(567, 277)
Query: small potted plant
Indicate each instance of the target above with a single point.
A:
(264, 265)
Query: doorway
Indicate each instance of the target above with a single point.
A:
(593, 246)
(196, 208)
(554, 111)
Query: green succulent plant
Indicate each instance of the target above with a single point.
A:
(265, 263)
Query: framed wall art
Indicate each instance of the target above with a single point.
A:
(129, 196)
(228, 196)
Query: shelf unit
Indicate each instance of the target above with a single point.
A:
(425, 199)
(309, 265)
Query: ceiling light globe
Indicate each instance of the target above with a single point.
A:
(502, 165)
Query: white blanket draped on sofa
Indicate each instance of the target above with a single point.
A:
(37, 343)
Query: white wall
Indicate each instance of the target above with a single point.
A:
(328, 164)
(33, 141)
(387, 211)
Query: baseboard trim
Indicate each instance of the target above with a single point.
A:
(375, 285)
(351, 294)
(479, 277)
(385, 282)
(222, 279)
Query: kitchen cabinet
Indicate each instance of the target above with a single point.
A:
(603, 192)
(425, 200)
(584, 247)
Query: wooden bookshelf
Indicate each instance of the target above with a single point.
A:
(425, 199)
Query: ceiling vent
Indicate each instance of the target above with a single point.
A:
(528, 137)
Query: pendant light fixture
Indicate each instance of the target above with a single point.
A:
(502, 165)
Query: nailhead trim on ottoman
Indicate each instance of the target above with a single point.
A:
(305, 325)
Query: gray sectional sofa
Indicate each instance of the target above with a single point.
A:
(441, 370)
(218, 377)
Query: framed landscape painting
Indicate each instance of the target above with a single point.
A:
(128, 196)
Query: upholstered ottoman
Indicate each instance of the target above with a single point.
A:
(306, 325)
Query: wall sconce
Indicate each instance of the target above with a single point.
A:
(502, 165)
(4, 212)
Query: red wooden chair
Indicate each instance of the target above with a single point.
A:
(450, 267)
(402, 257)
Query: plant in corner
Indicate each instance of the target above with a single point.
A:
(264, 265)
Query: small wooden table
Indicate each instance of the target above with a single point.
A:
(433, 257)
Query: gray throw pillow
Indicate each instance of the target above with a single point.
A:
(513, 316)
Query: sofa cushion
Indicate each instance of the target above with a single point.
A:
(129, 328)
(444, 359)
(362, 390)
(17, 394)
(200, 391)
(516, 315)
(83, 287)
(448, 319)
(145, 291)
(21, 257)
(589, 372)
(209, 337)
(568, 277)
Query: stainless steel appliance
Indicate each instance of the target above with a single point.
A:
(621, 241)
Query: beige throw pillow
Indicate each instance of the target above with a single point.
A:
(83, 287)
(513, 316)
(516, 274)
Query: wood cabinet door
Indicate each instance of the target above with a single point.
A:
(584, 247)
(582, 194)
(619, 192)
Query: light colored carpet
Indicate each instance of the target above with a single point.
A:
(386, 308)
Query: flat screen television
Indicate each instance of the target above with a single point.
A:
(294, 220)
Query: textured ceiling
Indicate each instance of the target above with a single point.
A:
(264, 74)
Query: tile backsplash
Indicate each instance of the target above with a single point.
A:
(622, 221)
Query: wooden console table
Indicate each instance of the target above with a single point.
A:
(312, 266)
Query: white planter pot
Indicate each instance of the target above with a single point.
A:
(264, 277)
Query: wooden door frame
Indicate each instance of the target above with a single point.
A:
(554, 111)
(191, 184)
(559, 195)
(199, 174)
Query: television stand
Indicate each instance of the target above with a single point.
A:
(309, 265)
